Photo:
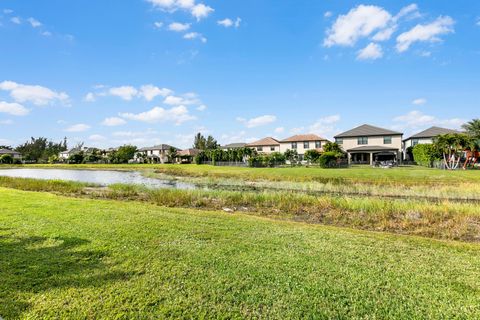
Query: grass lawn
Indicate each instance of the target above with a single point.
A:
(81, 258)
(404, 175)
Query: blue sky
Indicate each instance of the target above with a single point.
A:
(158, 71)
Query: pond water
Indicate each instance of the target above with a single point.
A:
(100, 177)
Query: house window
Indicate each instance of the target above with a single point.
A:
(318, 144)
(294, 145)
(272, 148)
(259, 148)
(387, 140)
(362, 140)
(306, 145)
(339, 140)
(414, 142)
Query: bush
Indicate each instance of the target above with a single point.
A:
(328, 159)
(312, 155)
(425, 154)
(6, 158)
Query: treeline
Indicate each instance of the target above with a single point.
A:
(40, 150)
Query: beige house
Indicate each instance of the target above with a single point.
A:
(156, 154)
(425, 137)
(366, 144)
(232, 146)
(303, 142)
(265, 145)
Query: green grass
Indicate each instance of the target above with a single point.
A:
(404, 175)
(82, 258)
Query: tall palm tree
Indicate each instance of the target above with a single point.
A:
(473, 128)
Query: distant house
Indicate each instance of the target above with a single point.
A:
(187, 155)
(17, 156)
(237, 145)
(265, 145)
(366, 144)
(64, 155)
(303, 142)
(424, 137)
(156, 154)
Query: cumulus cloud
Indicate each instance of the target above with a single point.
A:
(202, 107)
(425, 33)
(16, 20)
(186, 99)
(371, 52)
(328, 14)
(96, 137)
(227, 22)
(89, 97)
(15, 109)
(178, 27)
(325, 126)
(150, 92)
(416, 119)
(124, 92)
(177, 115)
(113, 122)
(197, 10)
(34, 22)
(195, 35)
(35, 94)
(258, 121)
(158, 24)
(419, 101)
(279, 130)
(80, 127)
(127, 93)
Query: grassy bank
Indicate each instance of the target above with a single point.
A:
(82, 258)
(443, 220)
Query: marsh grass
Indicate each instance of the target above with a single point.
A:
(443, 220)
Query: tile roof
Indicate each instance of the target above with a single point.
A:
(268, 141)
(188, 152)
(432, 132)
(365, 131)
(304, 137)
(7, 151)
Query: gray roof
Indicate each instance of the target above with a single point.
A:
(367, 130)
(234, 145)
(7, 151)
(432, 132)
(158, 147)
(372, 148)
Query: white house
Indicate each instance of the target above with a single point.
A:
(265, 145)
(303, 142)
(156, 154)
(425, 137)
(366, 144)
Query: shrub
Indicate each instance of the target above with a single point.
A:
(6, 158)
(328, 159)
(311, 156)
(425, 154)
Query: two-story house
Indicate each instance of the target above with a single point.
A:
(301, 143)
(156, 154)
(232, 146)
(366, 144)
(424, 137)
(265, 145)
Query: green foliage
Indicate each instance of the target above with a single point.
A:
(92, 155)
(219, 155)
(202, 143)
(76, 158)
(425, 154)
(312, 155)
(123, 154)
(291, 156)
(6, 159)
(451, 146)
(53, 159)
(473, 128)
(267, 160)
(332, 147)
(40, 149)
(328, 159)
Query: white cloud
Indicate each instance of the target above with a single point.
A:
(124, 92)
(198, 11)
(478, 22)
(410, 11)
(34, 22)
(78, 128)
(419, 101)
(113, 121)
(326, 126)
(96, 137)
(195, 35)
(158, 24)
(202, 107)
(89, 97)
(371, 52)
(425, 33)
(6, 122)
(150, 92)
(416, 119)
(328, 14)
(360, 22)
(187, 99)
(384, 34)
(46, 33)
(258, 121)
(178, 27)
(35, 94)
(16, 20)
(279, 130)
(227, 22)
(178, 115)
(14, 109)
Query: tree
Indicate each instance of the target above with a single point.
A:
(76, 158)
(6, 159)
(40, 149)
(211, 143)
(312, 155)
(473, 128)
(172, 154)
(425, 154)
(6, 147)
(202, 143)
(123, 154)
(332, 147)
(451, 145)
(328, 159)
(292, 156)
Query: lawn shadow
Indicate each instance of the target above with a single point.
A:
(31, 265)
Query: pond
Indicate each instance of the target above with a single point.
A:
(100, 177)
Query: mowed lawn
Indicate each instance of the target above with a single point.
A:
(80, 258)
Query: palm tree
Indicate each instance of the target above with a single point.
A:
(473, 128)
(172, 154)
(451, 145)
